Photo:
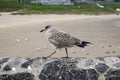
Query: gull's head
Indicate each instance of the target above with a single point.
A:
(46, 28)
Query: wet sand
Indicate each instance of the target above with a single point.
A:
(20, 35)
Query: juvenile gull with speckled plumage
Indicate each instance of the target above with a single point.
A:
(62, 40)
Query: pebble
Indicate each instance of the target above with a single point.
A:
(29, 68)
(18, 40)
(108, 52)
(101, 46)
(45, 47)
(83, 50)
(113, 51)
(38, 49)
(13, 69)
(26, 39)
(73, 51)
(92, 45)
(109, 45)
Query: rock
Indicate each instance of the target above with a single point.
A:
(36, 62)
(66, 69)
(15, 62)
(7, 68)
(27, 63)
(117, 65)
(89, 62)
(18, 76)
(100, 58)
(4, 60)
(101, 67)
(113, 75)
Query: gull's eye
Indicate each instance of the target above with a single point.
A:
(47, 27)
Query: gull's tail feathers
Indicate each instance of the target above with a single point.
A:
(82, 44)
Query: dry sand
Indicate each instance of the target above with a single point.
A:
(20, 35)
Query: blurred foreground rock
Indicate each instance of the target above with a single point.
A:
(101, 68)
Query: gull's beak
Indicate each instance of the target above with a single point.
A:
(42, 30)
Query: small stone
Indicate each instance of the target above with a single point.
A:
(29, 68)
(83, 50)
(45, 47)
(109, 45)
(113, 51)
(18, 40)
(73, 51)
(101, 46)
(60, 77)
(13, 69)
(108, 52)
(26, 39)
(92, 45)
(7, 68)
(101, 67)
(38, 49)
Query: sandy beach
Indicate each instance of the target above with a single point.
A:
(20, 35)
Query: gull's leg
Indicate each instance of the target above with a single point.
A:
(52, 53)
(66, 52)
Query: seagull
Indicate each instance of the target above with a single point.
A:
(61, 39)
